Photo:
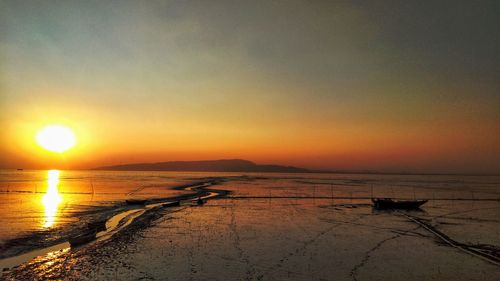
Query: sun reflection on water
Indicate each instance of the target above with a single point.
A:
(51, 199)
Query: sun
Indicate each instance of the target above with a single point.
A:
(56, 138)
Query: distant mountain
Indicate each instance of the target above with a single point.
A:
(229, 165)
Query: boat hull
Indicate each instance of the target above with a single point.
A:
(397, 204)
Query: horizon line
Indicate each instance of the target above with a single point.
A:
(310, 170)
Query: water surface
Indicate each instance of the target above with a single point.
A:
(36, 202)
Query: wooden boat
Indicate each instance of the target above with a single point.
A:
(82, 238)
(388, 203)
(197, 202)
(135, 202)
(99, 225)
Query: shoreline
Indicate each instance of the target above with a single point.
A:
(23, 255)
(250, 234)
(196, 243)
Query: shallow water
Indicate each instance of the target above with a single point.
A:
(298, 227)
(40, 201)
(50, 202)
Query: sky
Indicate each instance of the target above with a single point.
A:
(384, 86)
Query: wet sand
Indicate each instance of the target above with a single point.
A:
(285, 239)
(35, 242)
(116, 219)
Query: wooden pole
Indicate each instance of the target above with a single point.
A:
(331, 190)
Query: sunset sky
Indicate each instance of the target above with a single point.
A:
(360, 85)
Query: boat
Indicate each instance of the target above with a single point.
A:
(388, 203)
(83, 238)
(197, 202)
(135, 202)
(99, 225)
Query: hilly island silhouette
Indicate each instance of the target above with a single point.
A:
(224, 165)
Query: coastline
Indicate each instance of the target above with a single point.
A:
(268, 239)
(291, 228)
(12, 256)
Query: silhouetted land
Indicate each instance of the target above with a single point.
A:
(240, 165)
(230, 165)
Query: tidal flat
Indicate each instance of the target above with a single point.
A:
(299, 227)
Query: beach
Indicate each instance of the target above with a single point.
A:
(250, 140)
(296, 227)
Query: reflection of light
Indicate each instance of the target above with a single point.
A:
(52, 198)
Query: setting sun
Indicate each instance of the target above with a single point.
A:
(56, 138)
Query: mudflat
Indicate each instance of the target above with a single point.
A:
(248, 235)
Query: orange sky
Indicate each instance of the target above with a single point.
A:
(349, 87)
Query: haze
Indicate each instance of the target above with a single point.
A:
(376, 85)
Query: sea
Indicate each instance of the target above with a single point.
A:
(49, 203)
